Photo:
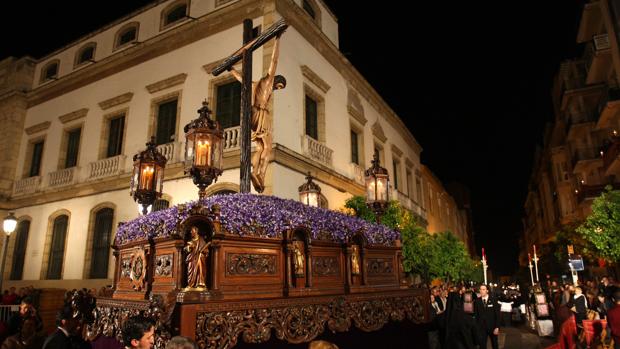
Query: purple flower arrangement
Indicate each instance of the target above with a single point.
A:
(267, 216)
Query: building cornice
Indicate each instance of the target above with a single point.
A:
(295, 17)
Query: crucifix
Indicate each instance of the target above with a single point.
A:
(254, 102)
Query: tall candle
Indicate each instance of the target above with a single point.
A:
(483, 255)
(534, 250)
(147, 177)
(529, 258)
(202, 153)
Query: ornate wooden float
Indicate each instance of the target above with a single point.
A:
(244, 265)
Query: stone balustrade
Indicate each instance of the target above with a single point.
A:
(106, 167)
(316, 150)
(63, 177)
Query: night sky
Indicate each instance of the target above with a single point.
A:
(471, 80)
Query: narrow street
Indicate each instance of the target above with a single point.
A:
(521, 337)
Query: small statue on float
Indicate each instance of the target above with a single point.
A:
(298, 258)
(196, 259)
(355, 261)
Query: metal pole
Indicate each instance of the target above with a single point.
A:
(4, 246)
(536, 266)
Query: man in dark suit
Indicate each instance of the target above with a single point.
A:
(68, 326)
(487, 313)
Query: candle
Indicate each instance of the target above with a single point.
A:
(529, 258)
(202, 153)
(483, 255)
(147, 177)
(534, 251)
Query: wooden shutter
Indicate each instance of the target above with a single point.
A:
(101, 243)
(73, 147)
(311, 118)
(57, 250)
(19, 254)
(35, 164)
(115, 141)
(166, 122)
(228, 105)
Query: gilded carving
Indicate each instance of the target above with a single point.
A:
(302, 320)
(298, 258)
(355, 260)
(325, 266)
(163, 265)
(250, 264)
(126, 267)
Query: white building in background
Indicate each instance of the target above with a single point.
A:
(73, 120)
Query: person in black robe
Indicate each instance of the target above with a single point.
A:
(455, 329)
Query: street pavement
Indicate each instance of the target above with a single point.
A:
(521, 338)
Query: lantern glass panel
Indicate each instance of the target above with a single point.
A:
(216, 155)
(371, 194)
(133, 185)
(313, 199)
(159, 179)
(189, 149)
(382, 188)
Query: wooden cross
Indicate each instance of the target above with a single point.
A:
(244, 54)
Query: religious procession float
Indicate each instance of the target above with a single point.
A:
(244, 265)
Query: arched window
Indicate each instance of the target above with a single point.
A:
(57, 250)
(85, 54)
(174, 13)
(101, 243)
(126, 35)
(19, 254)
(50, 71)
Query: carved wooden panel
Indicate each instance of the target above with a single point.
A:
(303, 319)
(250, 264)
(325, 266)
(379, 266)
(126, 267)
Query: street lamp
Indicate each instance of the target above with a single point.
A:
(148, 176)
(309, 192)
(8, 225)
(203, 149)
(377, 188)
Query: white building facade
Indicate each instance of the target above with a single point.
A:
(74, 119)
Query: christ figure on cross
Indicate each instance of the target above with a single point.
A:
(261, 125)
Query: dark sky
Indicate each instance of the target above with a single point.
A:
(471, 80)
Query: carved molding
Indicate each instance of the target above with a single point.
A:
(302, 320)
(109, 103)
(379, 266)
(110, 314)
(357, 115)
(397, 151)
(166, 83)
(409, 163)
(163, 265)
(250, 264)
(314, 78)
(38, 128)
(325, 266)
(74, 115)
(377, 131)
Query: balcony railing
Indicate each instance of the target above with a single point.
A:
(27, 185)
(232, 139)
(171, 151)
(106, 167)
(357, 173)
(316, 150)
(63, 177)
(611, 152)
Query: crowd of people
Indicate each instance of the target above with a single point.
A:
(24, 329)
(471, 317)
